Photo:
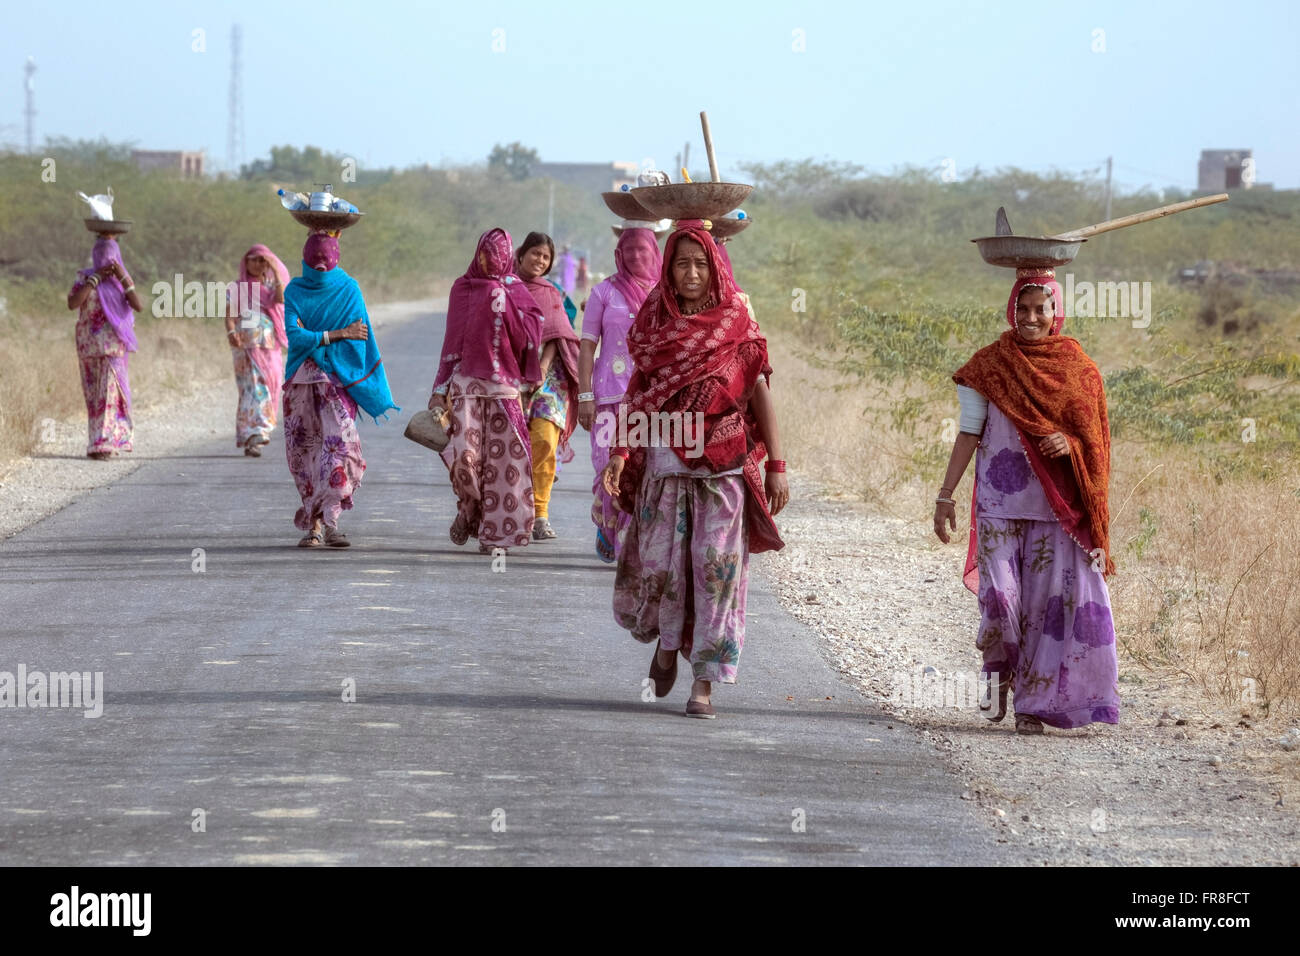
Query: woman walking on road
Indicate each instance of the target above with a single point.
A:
(106, 297)
(255, 331)
(489, 352)
(699, 505)
(1033, 405)
(553, 406)
(603, 378)
(333, 366)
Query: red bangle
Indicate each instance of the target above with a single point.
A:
(621, 453)
(775, 465)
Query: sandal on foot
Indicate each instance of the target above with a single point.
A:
(542, 530)
(336, 538)
(664, 678)
(312, 539)
(99, 455)
(986, 703)
(459, 531)
(250, 447)
(491, 548)
(1028, 724)
(700, 708)
(604, 550)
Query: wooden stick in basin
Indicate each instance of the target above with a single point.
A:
(1089, 231)
(708, 147)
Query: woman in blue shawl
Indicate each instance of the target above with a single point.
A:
(332, 368)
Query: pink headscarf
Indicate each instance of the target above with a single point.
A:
(1042, 279)
(635, 286)
(112, 297)
(494, 327)
(252, 290)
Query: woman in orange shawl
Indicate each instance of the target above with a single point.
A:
(697, 422)
(1033, 404)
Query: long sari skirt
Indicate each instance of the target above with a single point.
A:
(609, 519)
(488, 458)
(107, 390)
(259, 375)
(1045, 620)
(323, 449)
(683, 571)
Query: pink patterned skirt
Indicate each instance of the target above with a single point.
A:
(322, 445)
(107, 390)
(490, 463)
(259, 375)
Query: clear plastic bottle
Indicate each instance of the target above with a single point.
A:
(293, 200)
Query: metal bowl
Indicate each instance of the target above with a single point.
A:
(692, 200)
(327, 221)
(1027, 252)
(109, 227)
(726, 228)
(623, 205)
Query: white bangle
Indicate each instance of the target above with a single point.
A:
(327, 337)
(586, 396)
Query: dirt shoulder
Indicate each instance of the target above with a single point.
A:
(1182, 780)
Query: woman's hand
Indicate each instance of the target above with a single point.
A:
(586, 414)
(778, 491)
(612, 473)
(437, 403)
(357, 330)
(945, 513)
(1054, 445)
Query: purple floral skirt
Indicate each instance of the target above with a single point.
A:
(323, 449)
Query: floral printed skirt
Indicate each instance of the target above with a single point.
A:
(323, 449)
(683, 571)
(1045, 620)
(259, 375)
(489, 460)
(107, 390)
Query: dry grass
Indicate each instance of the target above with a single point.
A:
(1209, 570)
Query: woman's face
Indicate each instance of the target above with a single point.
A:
(256, 266)
(535, 262)
(690, 272)
(1035, 313)
(637, 258)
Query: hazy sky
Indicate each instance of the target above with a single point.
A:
(880, 84)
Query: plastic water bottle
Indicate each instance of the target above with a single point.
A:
(342, 205)
(292, 200)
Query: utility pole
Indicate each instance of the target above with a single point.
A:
(30, 111)
(1108, 167)
(686, 157)
(550, 213)
(235, 121)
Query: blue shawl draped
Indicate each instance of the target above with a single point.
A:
(331, 300)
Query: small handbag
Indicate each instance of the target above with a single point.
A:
(429, 429)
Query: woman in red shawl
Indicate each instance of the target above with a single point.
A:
(255, 331)
(1039, 547)
(489, 351)
(553, 407)
(696, 424)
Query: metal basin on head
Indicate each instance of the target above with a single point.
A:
(623, 205)
(726, 228)
(1028, 252)
(109, 227)
(328, 221)
(692, 200)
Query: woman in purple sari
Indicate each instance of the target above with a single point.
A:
(491, 348)
(106, 297)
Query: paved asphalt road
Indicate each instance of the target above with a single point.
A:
(498, 716)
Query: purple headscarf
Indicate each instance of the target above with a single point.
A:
(318, 243)
(112, 298)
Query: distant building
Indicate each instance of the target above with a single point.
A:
(1222, 169)
(589, 177)
(184, 163)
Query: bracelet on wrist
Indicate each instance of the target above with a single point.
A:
(586, 396)
(620, 453)
(775, 465)
(946, 501)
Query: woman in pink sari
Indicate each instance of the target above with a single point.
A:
(106, 297)
(490, 350)
(255, 331)
(603, 378)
